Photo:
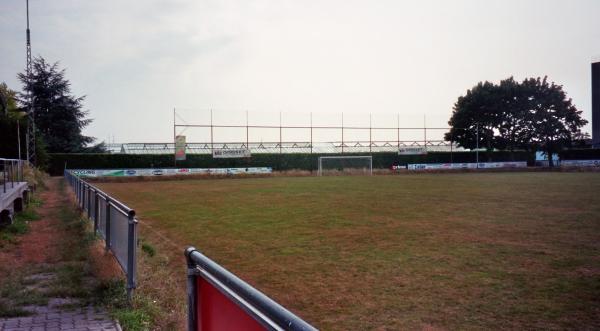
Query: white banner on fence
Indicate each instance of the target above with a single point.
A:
(482, 165)
(169, 171)
(231, 153)
(412, 151)
(580, 163)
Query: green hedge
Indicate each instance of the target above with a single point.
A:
(58, 162)
(580, 154)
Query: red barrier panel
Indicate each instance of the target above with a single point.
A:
(217, 312)
(220, 301)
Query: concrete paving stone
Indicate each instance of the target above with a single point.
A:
(41, 277)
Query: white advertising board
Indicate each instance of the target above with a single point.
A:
(482, 165)
(412, 151)
(580, 163)
(169, 171)
(231, 153)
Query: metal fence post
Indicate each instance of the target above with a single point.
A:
(80, 193)
(130, 255)
(89, 201)
(85, 197)
(96, 212)
(192, 283)
(107, 229)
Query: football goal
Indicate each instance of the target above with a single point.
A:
(345, 165)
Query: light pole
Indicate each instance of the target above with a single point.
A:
(30, 138)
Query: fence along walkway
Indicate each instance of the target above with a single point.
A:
(14, 190)
(113, 220)
(217, 299)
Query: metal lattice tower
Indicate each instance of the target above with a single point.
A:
(30, 112)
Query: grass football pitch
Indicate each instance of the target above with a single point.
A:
(433, 251)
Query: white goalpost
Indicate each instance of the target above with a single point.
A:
(345, 165)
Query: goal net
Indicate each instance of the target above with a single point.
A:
(345, 165)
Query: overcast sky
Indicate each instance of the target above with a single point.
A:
(137, 60)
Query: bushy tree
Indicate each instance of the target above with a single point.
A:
(531, 115)
(552, 121)
(475, 116)
(59, 116)
(11, 123)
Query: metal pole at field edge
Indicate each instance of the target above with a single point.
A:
(130, 255)
(89, 202)
(212, 143)
(398, 133)
(451, 143)
(311, 134)
(342, 133)
(96, 212)
(425, 131)
(370, 135)
(174, 139)
(107, 225)
(192, 290)
(320, 171)
(477, 145)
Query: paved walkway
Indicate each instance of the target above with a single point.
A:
(52, 318)
(38, 250)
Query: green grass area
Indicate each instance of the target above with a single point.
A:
(20, 225)
(457, 251)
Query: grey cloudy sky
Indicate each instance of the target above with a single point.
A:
(136, 60)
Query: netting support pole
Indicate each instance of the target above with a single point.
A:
(425, 131)
(311, 134)
(398, 131)
(174, 140)
(451, 143)
(342, 133)
(370, 132)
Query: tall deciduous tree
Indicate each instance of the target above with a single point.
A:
(532, 115)
(551, 118)
(476, 116)
(59, 116)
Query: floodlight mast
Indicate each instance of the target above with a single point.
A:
(30, 138)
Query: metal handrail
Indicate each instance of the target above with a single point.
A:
(12, 172)
(266, 311)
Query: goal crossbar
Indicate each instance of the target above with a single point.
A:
(349, 157)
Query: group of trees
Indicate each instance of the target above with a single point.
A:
(532, 115)
(59, 115)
